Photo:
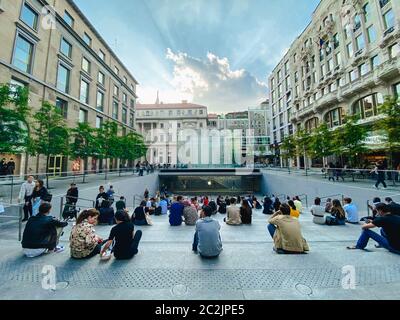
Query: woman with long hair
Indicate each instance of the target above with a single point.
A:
(293, 210)
(246, 212)
(38, 196)
(84, 242)
(338, 215)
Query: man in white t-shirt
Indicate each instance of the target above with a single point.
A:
(318, 212)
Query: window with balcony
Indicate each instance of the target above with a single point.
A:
(334, 118)
(388, 19)
(29, 16)
(369, 106)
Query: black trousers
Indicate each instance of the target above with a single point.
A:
(133, 250)
(27, 208)
(380, 179)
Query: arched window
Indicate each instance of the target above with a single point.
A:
(311, 124)
(334, 118)
(368, 107)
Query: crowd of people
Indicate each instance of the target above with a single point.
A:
(7, 168)
(42, 232)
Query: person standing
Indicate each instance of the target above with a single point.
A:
(380, 174)
(331, 172)
(39, 195)
(25, 194)
(11, 167)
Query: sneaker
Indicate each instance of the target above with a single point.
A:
(375, 187)
(106, 256)
(59, 249)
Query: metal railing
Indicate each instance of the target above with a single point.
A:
(19, 217)
(63, 204)
(10, 184)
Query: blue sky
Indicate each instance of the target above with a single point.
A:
(213, 52)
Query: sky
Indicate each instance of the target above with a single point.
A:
(217, 53)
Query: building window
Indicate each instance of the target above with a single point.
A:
(353, 75)
(68, 19)
(102, 55)
(29, 16)
(23, 54)
(375, 62)
(62, 106)
(388, 18)
(363, 69)
(311, 124)
(334, 118)
(116, 91)
(125, 98)
(83, 116)
(394, 51)
(99, 122)
(87, 39)
(125, 80)
(63, 77)
(350, 50)
(132, 120)
(101, 78)
(396, 89)
(115, 110)
(133, 105)
(371, 34)
(86, 65)
(124, 115)
(116, 70)
(66, 48)
(368, 107)
(84, 92)
(367, 12)
(360, 42)
(100, 101)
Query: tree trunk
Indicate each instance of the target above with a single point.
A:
(47, 171)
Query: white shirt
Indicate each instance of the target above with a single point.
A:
(26, 190)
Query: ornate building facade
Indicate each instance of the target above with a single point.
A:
(344, 63)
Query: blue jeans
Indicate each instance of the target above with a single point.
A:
(195, 242)
(380, 239)
(271, 229)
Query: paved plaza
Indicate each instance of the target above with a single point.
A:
(165, 268)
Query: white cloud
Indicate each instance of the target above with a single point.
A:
(210, 82)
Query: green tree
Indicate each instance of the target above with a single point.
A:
(108, 147)
(14, 111)
(84, 142)
(321, 142)
(288, 147)
(51, 134)
(349, 139)
(390, 124)
(303, 140)
(131, 147)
